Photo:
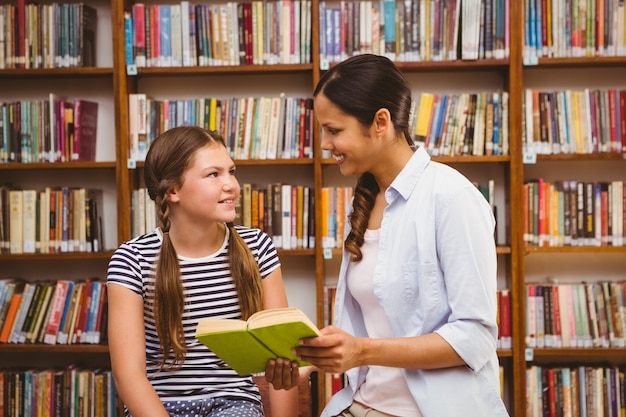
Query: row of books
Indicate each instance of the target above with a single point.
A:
(253, 127)
(462, 124)
(229, 33)
(574, 121)
(50, 130)
(578, 28)
(574, 213)
(283, 211)
(47, 35)
(52, 312)
(575, 391)
(71, 391)
(576, 315)
(415, 30)
(50, 221)
(286, 212)
(334, 204)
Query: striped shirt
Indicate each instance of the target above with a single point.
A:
(209, 292)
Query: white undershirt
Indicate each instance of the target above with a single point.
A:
(385, 388)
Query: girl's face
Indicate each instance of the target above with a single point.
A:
(342, 134)
(209, 190)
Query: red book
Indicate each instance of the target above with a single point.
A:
(557, 317)
(622, 106)
(138, 12)
(247, 30)
(611, 145)
(57, 306)
(505, 319)
(81, 320)
(85, 129)
(20, 50)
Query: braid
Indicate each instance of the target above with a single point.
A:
(169, 300)
(363, 202)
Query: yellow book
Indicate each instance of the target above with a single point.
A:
(246, 346)
(423, 116)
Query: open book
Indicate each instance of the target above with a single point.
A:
(246, 346)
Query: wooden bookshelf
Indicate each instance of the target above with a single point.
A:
(124, 177)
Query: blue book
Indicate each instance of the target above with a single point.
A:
(165, 56)
(128, 39)
(389, 20)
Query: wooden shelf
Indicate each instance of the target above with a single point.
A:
(56, 165)
(81, 72)
(40, 348)
(68, 256)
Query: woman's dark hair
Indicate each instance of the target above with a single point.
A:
(167, 160)
(360, 86)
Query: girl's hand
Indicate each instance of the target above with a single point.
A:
(282, 373)
(334, 351)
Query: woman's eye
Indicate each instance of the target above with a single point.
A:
(332, 131)
(232, 171)
(212, 174)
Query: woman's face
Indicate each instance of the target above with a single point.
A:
(342, 134)
(209, 190)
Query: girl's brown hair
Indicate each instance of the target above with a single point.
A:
(360, 86)
(166, 162)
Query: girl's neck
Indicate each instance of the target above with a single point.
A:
(197, 242)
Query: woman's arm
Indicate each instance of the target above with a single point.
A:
(127, 348)
(280, 373)
(337, 351)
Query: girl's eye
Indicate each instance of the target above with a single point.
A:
(332, 131)
(232, 171)
(212, 174)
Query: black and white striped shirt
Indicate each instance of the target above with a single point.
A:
(209, 292)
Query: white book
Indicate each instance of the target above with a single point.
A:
(274, 127)
(176, 34)
(16, 222)
(29, 207)
(151, 222)
(185, 34)
(247, 133)
(285, 31)
(263, 128)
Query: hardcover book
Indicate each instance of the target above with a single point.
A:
(246, 346)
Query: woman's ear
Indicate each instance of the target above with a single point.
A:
(382, 121)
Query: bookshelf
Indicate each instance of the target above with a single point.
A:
(307, 271)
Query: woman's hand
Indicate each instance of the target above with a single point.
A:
(334, 351)
(282, 373)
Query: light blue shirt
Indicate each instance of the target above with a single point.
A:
(436, 272)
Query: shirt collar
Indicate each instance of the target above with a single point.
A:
(407, 179)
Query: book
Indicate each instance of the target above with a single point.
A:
(246, 346)
(85, 129)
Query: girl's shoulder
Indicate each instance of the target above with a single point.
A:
(255, 238)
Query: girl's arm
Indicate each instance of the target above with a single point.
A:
(284, 400)
(127, 348)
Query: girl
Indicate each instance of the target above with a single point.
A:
(195, 265)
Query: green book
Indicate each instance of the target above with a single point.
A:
(246, 346)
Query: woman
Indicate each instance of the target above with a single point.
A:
(195, 265)
(415, 327)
